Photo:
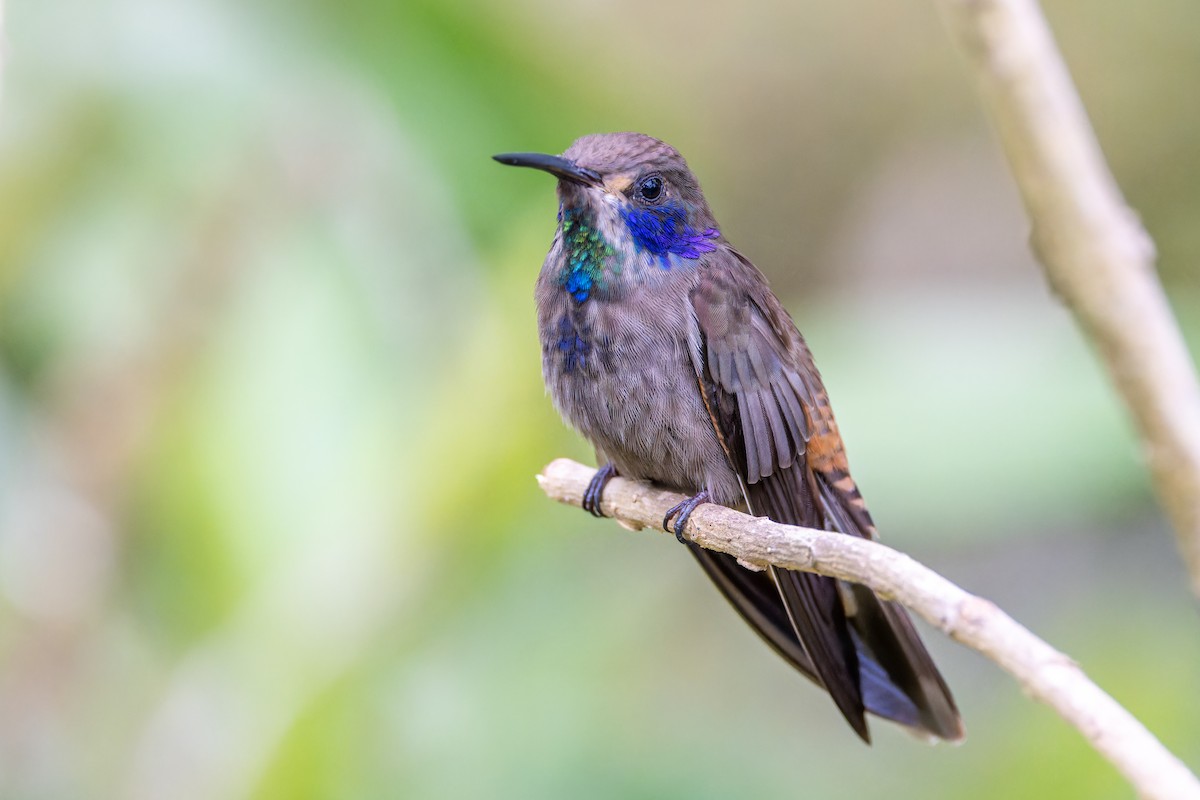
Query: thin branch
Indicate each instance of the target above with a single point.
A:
(1043, 672)
(1096, 254)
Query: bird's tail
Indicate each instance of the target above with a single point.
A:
(863, 650)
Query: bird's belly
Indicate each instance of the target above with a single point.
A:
(637, 400)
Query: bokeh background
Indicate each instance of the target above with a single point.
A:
(271, 405)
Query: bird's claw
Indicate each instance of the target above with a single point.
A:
(595, 488)
(681, 512)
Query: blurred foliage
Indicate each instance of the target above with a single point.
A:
(270, 400)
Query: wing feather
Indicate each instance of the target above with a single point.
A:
(772, 415)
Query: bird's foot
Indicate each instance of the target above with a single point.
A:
(595, 488)
(681, 512)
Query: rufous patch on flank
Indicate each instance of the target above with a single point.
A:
(825, 452)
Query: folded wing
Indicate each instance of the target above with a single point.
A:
(766, 399)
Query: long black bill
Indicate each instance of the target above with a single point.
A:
(556, 165)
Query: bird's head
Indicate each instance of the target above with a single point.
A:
(634, 189)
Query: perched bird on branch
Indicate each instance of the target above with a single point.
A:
(664, 346)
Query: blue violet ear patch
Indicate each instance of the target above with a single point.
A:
(663, 231)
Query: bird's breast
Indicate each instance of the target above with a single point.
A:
(621, 374)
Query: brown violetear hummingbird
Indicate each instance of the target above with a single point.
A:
(664, 346)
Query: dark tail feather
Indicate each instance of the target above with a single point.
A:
(754, 596)
(757, 597)
(885, 632)
(812, 602)
(881, 695)
(817, 615)
(864, 651)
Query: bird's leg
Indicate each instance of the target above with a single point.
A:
(681, 512)
(595, 488)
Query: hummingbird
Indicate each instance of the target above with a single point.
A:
(665, 347)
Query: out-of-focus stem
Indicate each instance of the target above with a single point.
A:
(1096, 254)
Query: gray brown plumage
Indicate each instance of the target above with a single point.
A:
(666, 348)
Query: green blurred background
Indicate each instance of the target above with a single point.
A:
(271, 405)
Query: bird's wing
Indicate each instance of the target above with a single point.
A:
(768, 405)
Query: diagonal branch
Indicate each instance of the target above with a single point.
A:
(1043, 672)
(1096, 254)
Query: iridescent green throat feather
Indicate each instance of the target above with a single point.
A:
(589, 258)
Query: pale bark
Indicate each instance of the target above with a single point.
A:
(1096, 254)
(1043, 672)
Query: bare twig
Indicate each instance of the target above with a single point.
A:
(1096, 254)
(1042, 671)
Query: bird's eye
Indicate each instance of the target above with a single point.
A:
(651, 188)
